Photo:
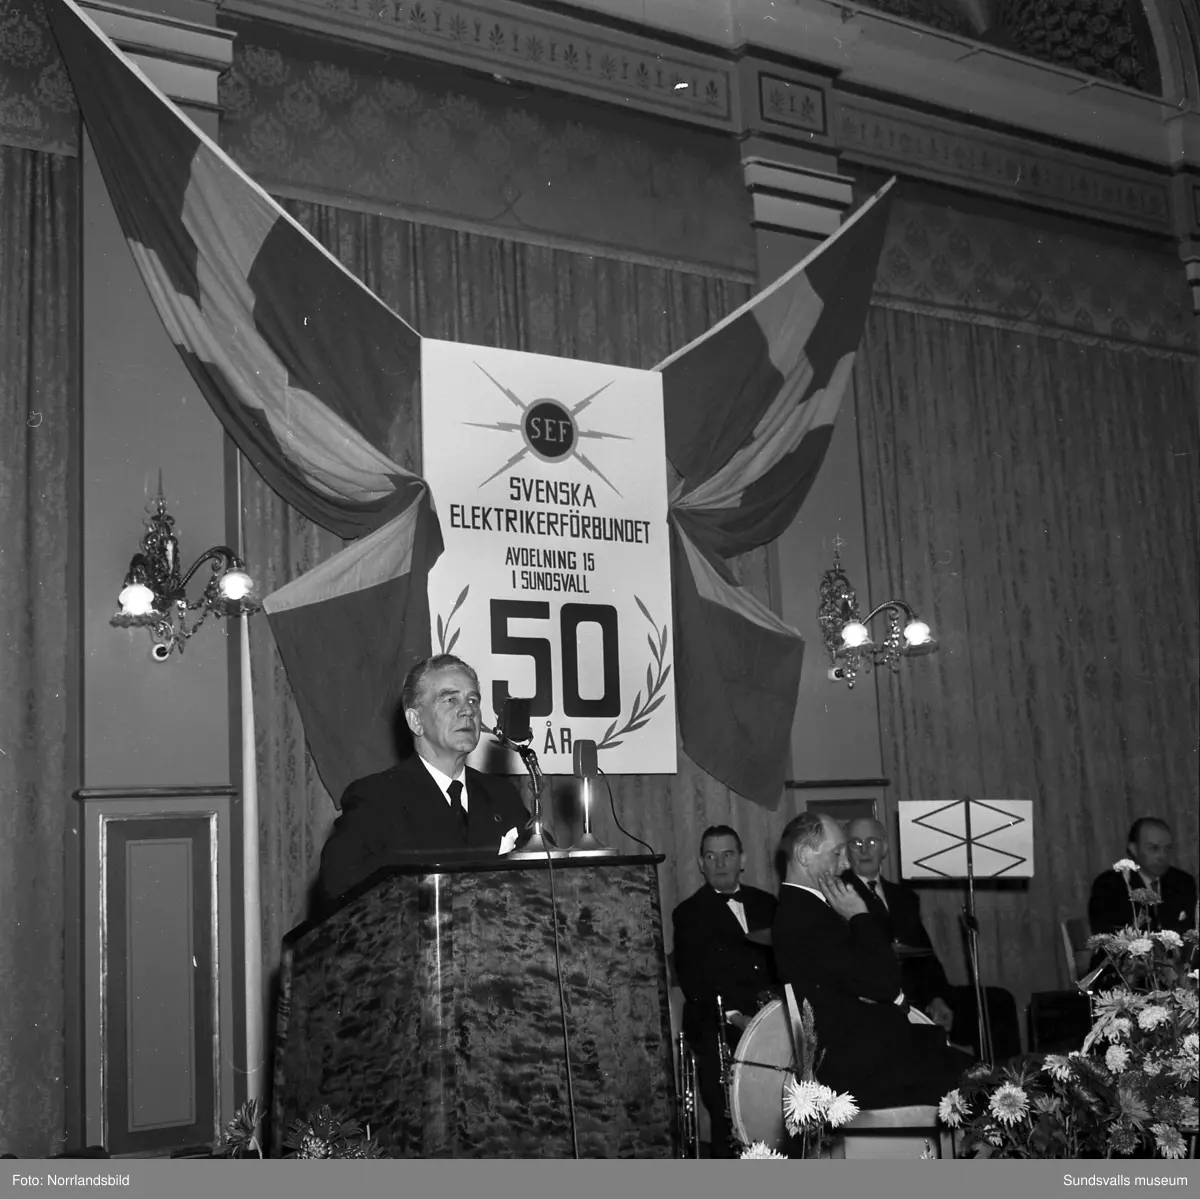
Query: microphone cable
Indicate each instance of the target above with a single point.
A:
(613, 808)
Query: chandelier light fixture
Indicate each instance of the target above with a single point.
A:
(848, 636)
(154, 596)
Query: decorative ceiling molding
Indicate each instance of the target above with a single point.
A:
(880, 134)
(514, 43)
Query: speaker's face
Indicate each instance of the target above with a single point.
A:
(447, 715)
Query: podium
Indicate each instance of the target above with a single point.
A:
(428, 1006)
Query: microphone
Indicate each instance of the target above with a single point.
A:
(585, 760)
(514, 719)
(586, 768)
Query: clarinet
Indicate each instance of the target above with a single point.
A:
(735, 1144)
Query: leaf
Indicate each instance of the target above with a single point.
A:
(441, 633)
(633, 728)
(608, 731)
(612, 745)
(653, 647)
(637, 699)
(649, 682)
(650, 707)
(453, 640)
(458, 603)
(665, 675)
(663, 643)
(645, 612)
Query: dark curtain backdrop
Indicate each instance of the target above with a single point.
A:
(488, 291)
(38, 643)
(1036, 497)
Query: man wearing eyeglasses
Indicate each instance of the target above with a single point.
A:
(715, 955)
(925, 985)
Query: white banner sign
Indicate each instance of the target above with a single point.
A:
(549, 477)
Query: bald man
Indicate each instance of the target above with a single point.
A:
(838, 956)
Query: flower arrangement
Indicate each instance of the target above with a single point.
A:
(1130, 1089)
(323, 1135)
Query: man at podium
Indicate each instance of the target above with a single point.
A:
(431, 802)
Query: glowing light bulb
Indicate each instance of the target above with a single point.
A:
(854, 634)
(916, 632)
(136, 600)
(235, 584)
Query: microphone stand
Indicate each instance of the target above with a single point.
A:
(537, 846)
(972, 926)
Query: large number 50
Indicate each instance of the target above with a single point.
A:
(539, 649)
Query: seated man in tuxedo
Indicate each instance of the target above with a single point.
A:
(924, 981)
(1174, 905)
(838, 955)
(715, 956)
(432, 802)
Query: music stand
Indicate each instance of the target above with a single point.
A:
(968, 838)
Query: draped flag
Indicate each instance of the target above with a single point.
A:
(749, 410)
(303, 365)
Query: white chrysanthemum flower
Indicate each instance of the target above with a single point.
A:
(950, 1109)
(1009, 1103)
(1170, 1143)
(1149, 1018)
(1169, 937)
(842, 1109)
(1125, 866)
(1120, 1027)
(1116, 1058)
(761, 1151)
(801, 1104)
(1151, 1068)
(1141, 946)
(1191, 1043)
(1057, 1066)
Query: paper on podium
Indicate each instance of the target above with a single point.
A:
(933, 838)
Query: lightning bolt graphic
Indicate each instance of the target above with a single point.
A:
(594, 469)
(512, 462)
(512, 395)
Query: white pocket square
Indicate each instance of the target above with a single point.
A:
(508, 841)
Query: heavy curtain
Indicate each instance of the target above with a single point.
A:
(38, 639)
(1034, 492)
(489, 291)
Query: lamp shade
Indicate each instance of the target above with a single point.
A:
(916, 632)
(855, 634)
(235, 584)
(136, 599)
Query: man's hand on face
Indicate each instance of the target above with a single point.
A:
(842, 897)
(739, 1020)
(938, 1010)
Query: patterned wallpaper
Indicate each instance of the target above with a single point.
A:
(37, 104)
(1038, 272)
(422, 142)
(1109, 39)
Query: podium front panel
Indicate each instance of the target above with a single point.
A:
(429, 1007)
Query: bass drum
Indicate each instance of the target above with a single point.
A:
(762, 1064)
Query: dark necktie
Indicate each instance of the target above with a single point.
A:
(454, 790)
(873, 883)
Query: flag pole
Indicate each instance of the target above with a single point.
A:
(251, 894)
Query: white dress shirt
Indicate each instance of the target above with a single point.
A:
(444, 780)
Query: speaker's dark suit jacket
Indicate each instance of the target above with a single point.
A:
(391, 816)
(848, 972)
(1110, 908)
(713, 956)
(923, 978)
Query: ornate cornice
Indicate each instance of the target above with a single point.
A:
(999, 164)
(526, 45)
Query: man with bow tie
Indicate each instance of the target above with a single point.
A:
(715, 955)
(1174, 906)
(432, 803)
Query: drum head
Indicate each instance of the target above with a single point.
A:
(761, 1066)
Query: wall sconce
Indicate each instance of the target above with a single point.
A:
(847, 637)
(154, 596)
